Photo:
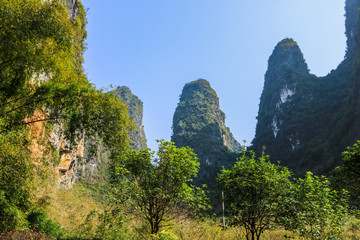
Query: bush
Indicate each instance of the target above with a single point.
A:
(164, 236)
(40, 222)
(254, 191)
(314, 210)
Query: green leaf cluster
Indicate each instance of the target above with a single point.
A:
(314, 209)
(40, 72)
(254, 191)
(160, 187)
(347, 176)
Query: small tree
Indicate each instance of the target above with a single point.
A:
(161, 186)
(254, 190)
(314, 209)
(348, 175)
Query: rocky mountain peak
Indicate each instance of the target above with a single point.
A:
(135, 110)
(287, 55)
(199, 123)
(305, 121)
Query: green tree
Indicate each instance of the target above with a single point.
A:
(315, 210)
(15, 180)
(161, 186)
(254, 190)
(40, 72)
(347, 176)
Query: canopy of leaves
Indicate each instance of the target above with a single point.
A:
(254, 190)
(160, 187)
(347, 176)
(315, 210)
(40, 71)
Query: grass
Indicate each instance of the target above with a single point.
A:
(71, 208)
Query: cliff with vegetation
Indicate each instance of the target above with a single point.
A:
(199, 123)
(50, 112)
(135, 110)
(305, 121)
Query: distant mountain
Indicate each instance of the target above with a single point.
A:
(135, 109)
(305, 121)
(199, 123)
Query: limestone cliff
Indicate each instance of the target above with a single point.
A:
(135, 110)
(93, 165)
(199, 123)
(51, 140)
(305, 121)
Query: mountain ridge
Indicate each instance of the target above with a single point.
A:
(306, 121)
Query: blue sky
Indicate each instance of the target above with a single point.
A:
(155, 47)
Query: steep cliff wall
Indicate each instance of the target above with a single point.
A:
(49, 140)
(199, 123)
(307, 121)
(135, 110)
(94, 162)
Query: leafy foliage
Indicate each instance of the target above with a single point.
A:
(161, 186)
(314, 209)
(39, 221)
(15, 180)
(347, 176)
(254, 191)
(40, 71)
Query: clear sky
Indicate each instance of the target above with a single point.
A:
(155, 47)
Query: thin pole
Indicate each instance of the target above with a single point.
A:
(223, 209)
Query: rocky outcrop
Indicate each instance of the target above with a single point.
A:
(95, 161)
(135, 110)
(304, 121)
(67, 155)
(73, 8)
(199, 123)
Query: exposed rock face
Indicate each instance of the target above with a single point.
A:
(199, 123)
(70, 154)
(73, 8)
(305, 121)
(93, 165)
(135, 109)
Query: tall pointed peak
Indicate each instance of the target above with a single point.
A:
(200, 85)
(199, 123)
(135, 110)
(287, 54)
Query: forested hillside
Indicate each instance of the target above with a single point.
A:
(304, 121)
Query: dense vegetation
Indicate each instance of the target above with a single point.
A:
(308, 129)
(199, 123)
(300, 114)
(42, 81)
(137, 194)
